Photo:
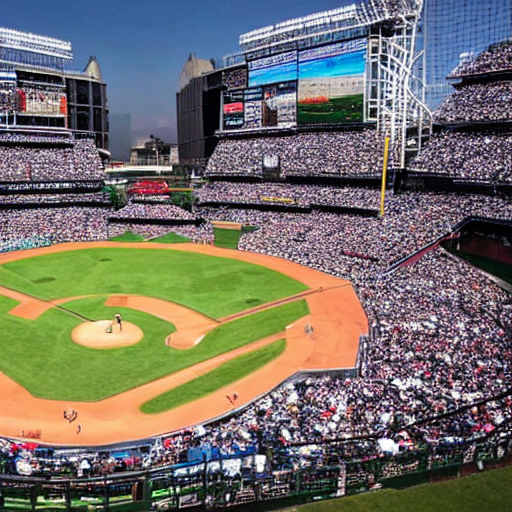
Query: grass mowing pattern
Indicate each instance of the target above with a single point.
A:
(488, 491)
(127, 236)
(212, 285)
(227, 238)
(222, 376)
(171, 238)
(39, 354)
(255, 327)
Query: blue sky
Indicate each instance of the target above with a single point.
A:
(141, 46)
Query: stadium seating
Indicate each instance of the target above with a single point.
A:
(31, 158)
(348, 153)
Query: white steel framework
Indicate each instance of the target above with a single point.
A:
(395, 88)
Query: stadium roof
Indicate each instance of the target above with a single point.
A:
(344, 21)
(26, 41)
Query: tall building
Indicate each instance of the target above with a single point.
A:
(87, 103)
(198, 110)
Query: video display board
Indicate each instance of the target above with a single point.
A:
(261, 107)
(42, 101)
(331, 83)
(233, 110)
(274, 69)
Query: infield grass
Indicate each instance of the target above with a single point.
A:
(40, 355)
(212, 285)
(489, 491)
(224, 375)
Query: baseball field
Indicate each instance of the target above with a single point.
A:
(199, 331)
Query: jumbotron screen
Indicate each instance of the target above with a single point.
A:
(261, 107)
(274, 69)
(331, 83)
(314, 86)
(44, 100)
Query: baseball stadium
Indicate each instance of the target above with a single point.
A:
(326, 312)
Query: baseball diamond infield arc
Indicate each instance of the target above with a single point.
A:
(336, 316)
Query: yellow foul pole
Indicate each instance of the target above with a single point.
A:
(384, 172)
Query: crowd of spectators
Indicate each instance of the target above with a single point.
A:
(351, 153)
(495, 59)
(34, 162)
(95, 197)
(152, 211)
(286, 193)
(477, 103)
(36, 138)
(473, 156)
(349, 245)
(56, 224)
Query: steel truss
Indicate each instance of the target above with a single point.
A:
(395, 94)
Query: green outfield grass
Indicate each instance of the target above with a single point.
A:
(41, 356)
(171, 238)
(214, 286)
(222, 376)
(347, 109)
(227, 238)
(127, 236)
(483, 492)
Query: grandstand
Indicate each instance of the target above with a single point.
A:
(53, 140)
(472, 141)
(430, 396)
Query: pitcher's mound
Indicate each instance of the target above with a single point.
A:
(96, 335)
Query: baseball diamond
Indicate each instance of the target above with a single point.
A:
(114, 414)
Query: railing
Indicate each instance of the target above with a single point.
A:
(246, 480)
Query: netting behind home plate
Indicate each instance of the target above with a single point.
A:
(455, 30)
